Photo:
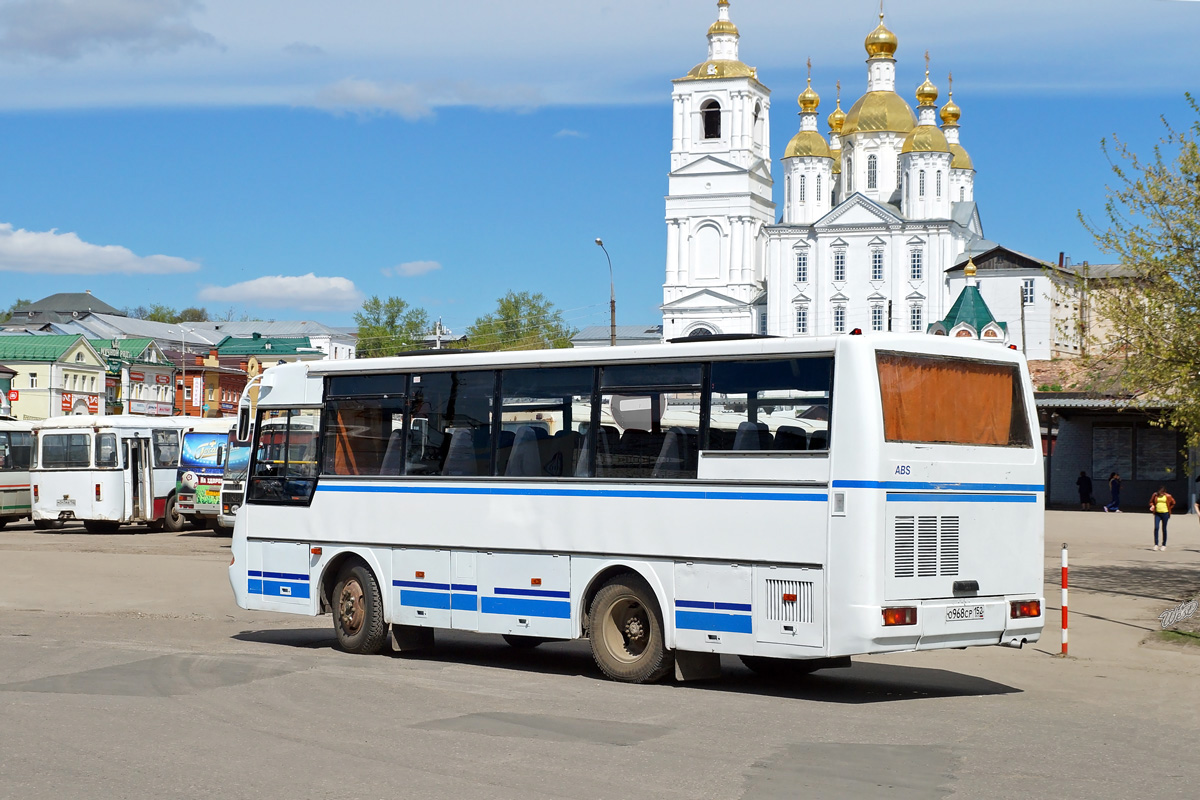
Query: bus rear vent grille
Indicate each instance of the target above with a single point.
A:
(799, 610)
(926, 546)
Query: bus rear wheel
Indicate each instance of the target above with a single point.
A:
(172, 520)
(101, 526)
(626, 632)
(358, 611)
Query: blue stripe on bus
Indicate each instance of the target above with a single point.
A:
(960, 498)
(514, 606)
(733, 606)
(464, 602)
(714, 606)
(275, 589)
(254, 586)
(464, 587)
(285, 576)
(254, 573)
(941, 485)
(442, 587)
(424, 599)
(792, 497)
(725, 623)
(533, 592)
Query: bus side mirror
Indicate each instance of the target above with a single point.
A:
(243, 424)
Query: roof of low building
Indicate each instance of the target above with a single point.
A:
(35, 348)
(69, 302)
(971, 309)
(651, 333)
(257, 345)
(284, 328)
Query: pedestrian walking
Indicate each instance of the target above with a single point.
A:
(1114, 489)
(1161, 503)
(1085, 491)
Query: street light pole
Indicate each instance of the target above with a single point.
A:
(183, 366)
(612, 298)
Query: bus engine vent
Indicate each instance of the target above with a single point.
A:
(925, 547)
(799, 610)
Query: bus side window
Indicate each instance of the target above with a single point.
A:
(441, 403)
(770, 405)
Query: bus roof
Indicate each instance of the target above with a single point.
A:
(123, 421)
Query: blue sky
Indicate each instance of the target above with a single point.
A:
(286, 158)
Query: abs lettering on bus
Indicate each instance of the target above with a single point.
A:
(903, 469)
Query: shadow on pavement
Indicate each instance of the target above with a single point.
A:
(862, 683)
(1169, 584)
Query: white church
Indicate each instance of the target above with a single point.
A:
(874, 217)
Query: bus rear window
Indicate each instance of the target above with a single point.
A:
(934, 400)
(66, 451)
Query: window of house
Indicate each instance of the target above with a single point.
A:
(79, 358)
(872, 172)
(877, 265)
(876, 317)
(801, 319)
(187, 393)
(801, 266)
(839, 319)
(1027, 291)
(33, 380)
(915, 265)
(711, 112)
(915, 319)
(839, 265)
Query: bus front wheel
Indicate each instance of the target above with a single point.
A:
(358, 611)
(172, 519)
(626, 632)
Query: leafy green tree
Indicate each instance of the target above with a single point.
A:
(7, 315)
(521, 321)
(1151, 321)
(192, 314)
(387, 327)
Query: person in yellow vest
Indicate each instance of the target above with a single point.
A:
(1161, 504)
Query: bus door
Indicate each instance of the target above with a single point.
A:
(138, 471)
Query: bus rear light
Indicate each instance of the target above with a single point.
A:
(1025, 608)
(97, 491)
(902, 615)
(232, 559)
(316, 551)
(789, 598)
(35, 493)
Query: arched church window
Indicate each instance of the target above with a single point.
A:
(939, 183)
(757, 126)
(921, 184)
(872, 172)
(803, 188)
(699, 332)
(818, 188)
(962, 193)
(849, 175)
(712, 119)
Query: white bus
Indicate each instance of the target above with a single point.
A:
(15, 440)
(899, 508)
(107, 471)
(201, 467)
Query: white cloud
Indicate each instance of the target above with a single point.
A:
(302, 292)
(359, 96)
(411, 269)
(303, 49)
(567, 133)
(54, 253)
(64, 30)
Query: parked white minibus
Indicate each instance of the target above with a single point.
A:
(201, 466)
(794, 502)
(15, 440)
(107, 471)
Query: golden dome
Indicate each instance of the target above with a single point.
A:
(838, 117)
(951, 112)
(881, 43)
(927, 93)
(961, 160)
(712, 70)
(809, 100)
(879, 111)
(971, 269)
(723, 26)
(837, 161)
(808, 144)
(925, 139)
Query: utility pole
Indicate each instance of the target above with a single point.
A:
(612, 299)
(1023, 320)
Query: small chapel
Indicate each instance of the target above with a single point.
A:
(878, 212)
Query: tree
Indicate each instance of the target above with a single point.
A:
(7, 315)
(522, 321)
(388, 327)
(192, 314)
(1153, 211)
(160, 312)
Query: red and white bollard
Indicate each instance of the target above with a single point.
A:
(1064, 598)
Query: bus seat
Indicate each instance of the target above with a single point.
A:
(790, 437)
(504, 450)
(393, 457)
(720, 439)
(819, 440)
(752, 436)
(526, 459)
(460, 459)
(679, 455)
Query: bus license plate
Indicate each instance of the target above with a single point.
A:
(66, 501)
(960, 613)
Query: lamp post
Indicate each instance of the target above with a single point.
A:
(612, 298)
(183, 367)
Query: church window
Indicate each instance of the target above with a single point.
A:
(915, 318)
(849, 175)
(762, 322)
(898, 172)
(839, 265)
(802, 266)
(1027, 291)
(801, 319)
(876, 317)
(921, 184)
(915, 265)
(818, 188)
(877, 265)
(803, 188)
(839, 319)
(712, 119)
(939, 183)
(872, 172)
(962, 193)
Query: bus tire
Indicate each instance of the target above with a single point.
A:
(101, 526)
(48, 524)
(522, 642)
(358, 611)
(788, 668)
(172, 520)
(626, 632)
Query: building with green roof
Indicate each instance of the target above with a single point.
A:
(139, 378)
(290, 348)
(970, 317)
(55, 376)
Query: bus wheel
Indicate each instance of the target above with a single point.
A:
(48, 524)
(101, 526)
(626, 632)
(522, 642)
(358, 611)
(172, 519)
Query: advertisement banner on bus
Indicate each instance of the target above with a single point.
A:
(200, 466)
